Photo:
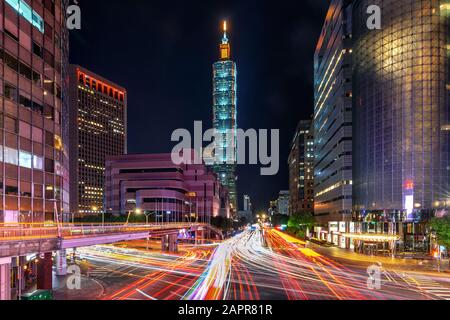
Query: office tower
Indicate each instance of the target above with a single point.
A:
(97, 129)
(224, 118)
(156, 186)
(33, 69)
(247, 203)
(401, 111)
(333, 116)
(273, 207)
(283, 203)
(301, 169)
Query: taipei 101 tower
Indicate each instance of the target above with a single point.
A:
(224, 118)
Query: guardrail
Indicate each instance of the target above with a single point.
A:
(10, 232)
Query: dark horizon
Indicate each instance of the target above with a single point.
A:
(163, 54)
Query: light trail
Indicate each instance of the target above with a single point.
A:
(244, 268)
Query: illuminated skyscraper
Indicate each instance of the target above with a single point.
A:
(34, 178)
(333, 116)
(97, 130)
(224, 118)
(401, 109)
(301, 169)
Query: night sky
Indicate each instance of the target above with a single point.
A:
(162, 53)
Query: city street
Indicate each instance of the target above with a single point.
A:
(253, 266)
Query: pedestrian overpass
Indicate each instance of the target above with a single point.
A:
(20, 240)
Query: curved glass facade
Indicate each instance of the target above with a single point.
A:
(400, 109)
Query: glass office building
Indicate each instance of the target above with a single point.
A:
(224, 119)
(401, 115)
(401, 107)
(34, 179)
(333, 117)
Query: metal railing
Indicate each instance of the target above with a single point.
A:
(28, 231)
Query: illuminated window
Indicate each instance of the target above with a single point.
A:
(11, 156)
(29, 14)
(25, 159)
(58, 143)
(38, 163)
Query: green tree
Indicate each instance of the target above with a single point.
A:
(279, 219)
(442, 228)
(299, 223)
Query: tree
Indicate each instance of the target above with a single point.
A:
(279, 219)
(442, 228)
(299, 223)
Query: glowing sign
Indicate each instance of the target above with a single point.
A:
(409, 204)
(409, 185)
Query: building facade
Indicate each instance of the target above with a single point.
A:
(247, 203)
(98, 128)
(273, 208)
(402, 123)
(247, 212)
(167, 192)
(301, 169)
(34, 179)
(225, 119)
(333, 116)
(283, 203)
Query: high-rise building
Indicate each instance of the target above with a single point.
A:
(33, 104)
(401, 114)
(273, 207)
(247, 203)
(224, 118)
(333, 116)
(97, 129)
(283, 203)
(301, 169)
(247, 212)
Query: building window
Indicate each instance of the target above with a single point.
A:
(49, 192)
(10, 92)
(25, 159)
(38, 163)
(11, 156)
(49, 165)
(12, 190)
(37, 50)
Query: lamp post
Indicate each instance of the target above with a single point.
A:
(95, 209)
(137, 211)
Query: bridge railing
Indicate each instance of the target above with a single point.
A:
(9, 232)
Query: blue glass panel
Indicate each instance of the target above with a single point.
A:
(29, 14)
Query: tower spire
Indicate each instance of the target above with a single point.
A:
(225, 49)
(225, 38)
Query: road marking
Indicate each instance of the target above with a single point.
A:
(146, 295)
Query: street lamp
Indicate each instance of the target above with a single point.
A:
(137, 211)
(95, 209)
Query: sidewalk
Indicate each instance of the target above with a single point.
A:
(349, 256)
(91, 289)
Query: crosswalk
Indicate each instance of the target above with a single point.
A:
(109, 271)
(428, 285)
